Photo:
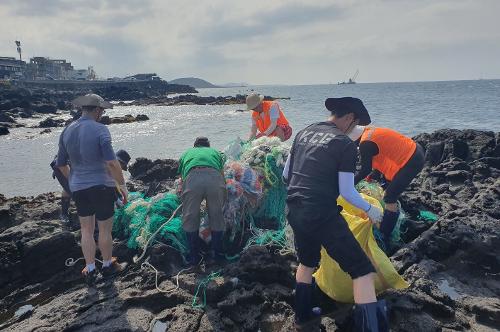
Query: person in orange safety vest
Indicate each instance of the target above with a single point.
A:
(267, 118)
(397, 157)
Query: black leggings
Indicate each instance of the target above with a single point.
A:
(403, 178)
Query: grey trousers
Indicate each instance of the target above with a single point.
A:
(203, 183)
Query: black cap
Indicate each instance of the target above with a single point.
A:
(123, 157)
(349, 105)
(202, 141)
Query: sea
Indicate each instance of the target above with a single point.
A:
(410, 108)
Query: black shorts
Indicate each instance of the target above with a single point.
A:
(313, 229)
(97, 200)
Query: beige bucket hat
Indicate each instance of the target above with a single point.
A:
(92, 99)
(254, 100)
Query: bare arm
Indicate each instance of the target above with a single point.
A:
(64, 170)
(115, 170)
(253, 131)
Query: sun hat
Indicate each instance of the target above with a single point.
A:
(254, 100)
(92, 99)
(349, 104)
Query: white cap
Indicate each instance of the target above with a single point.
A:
(356, 132)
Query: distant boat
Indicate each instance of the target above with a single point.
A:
(351, 80)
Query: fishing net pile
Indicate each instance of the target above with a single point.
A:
(143, 216)
(254, 212)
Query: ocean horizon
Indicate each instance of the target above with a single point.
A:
(409, 107)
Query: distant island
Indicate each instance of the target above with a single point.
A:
(235, 85)
(196, 83)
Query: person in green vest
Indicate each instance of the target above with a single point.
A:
(202, 172)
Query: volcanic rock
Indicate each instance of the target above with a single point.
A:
(6, 118)
(51, 122)
(4, 130)
(452, 265)
(146, 170)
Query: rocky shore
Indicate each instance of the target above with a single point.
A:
(28, 100)
(452, 265)
(31, 100)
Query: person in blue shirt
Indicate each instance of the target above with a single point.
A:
(86, 158)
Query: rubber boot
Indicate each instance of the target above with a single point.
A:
(305, 318)
(217, 246)
(194, 248)
(389, 221)
(65, 203)
(371, 317)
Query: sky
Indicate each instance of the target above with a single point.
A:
(262, 41)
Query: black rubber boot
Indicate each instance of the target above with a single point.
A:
(305, 318)
(382, 316)
(217, 246)
(389, 221)
(194, 248)
(65, 203)
(371, 317)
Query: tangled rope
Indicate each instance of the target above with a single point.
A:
(203, 285)
(71, 261)
(155, 233)
(147, 264)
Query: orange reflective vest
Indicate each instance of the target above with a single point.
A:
(394, 150)
(263, 122)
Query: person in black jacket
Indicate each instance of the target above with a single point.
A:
(321, 165)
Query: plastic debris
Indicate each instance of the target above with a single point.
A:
(427, 216)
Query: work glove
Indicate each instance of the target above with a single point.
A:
(374, 214)
(124, 192)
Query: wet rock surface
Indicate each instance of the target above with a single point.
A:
(192, 100)
(51, 122)
(452, 265)
(123, 119)
(29, 99)
(4, 130)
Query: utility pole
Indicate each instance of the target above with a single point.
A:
(18, 44)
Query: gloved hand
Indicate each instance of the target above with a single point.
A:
(124, 192)
(375, 214)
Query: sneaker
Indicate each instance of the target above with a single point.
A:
(90, 277)
(114, 269)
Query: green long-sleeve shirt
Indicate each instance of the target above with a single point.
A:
(200, 157)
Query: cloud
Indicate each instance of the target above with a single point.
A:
(265, 23)
(265, 41)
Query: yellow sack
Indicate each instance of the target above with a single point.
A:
(337, 284)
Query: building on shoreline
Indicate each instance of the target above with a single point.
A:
(11, 68)
(43, 68)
